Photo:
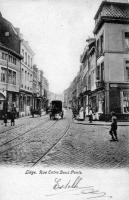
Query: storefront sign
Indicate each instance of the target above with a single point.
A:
(114, 85)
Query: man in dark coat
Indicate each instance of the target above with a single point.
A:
(13, 117)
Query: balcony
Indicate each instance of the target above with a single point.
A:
(100, 84)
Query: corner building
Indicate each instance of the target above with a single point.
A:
(112, 56)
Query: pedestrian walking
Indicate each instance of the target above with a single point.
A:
(90, 115)
(74, 113)
(13, 118)
(113, 130)
(5, 119)
(81, 114)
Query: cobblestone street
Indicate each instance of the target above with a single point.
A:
(67, 142)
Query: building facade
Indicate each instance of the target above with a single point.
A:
(26, 78)
(112, 52)
(10, 60)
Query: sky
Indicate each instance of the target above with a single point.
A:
(56, 31)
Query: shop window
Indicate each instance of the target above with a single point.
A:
(126, 102)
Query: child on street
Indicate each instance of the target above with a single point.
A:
(113, 130)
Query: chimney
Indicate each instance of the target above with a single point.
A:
(17, 30)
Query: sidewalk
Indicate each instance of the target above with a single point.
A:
(100, 123)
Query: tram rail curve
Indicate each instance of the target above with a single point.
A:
(53, 145)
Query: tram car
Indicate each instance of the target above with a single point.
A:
(56, 109)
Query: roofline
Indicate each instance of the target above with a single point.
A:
(109, 20)
(108, 3)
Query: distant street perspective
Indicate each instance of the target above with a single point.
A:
(63, 142)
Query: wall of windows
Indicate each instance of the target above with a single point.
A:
(11, 76)
(27, 59)
(9, 58)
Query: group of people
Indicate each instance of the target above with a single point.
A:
(80, 115)
(12, 117)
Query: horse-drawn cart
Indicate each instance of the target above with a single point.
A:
(56, 109)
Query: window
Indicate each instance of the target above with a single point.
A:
(126, 102)
(31, 62)
(14, 60)
(28, 61)
(127, 70)
(4, 56)
(127, 40)
(25, 75)
(101, 44)
(98, 72)
(10, 76)
(26, 58)
(10, 58)
(3, 74)
(89, 82)
(14, 78)
(102, 71)
(97, 47)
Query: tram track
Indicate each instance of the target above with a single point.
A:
(26, 140)
(14, 127)
(52, 146)
(19, 135)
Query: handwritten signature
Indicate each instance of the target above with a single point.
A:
(75, 188)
